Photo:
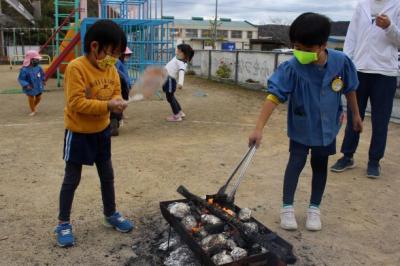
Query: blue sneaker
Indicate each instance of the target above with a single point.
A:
(343, 164)
(374, 170)
(65, 238)
(119, 223)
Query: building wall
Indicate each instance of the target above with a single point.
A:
(181, 35)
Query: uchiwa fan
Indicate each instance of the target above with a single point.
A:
(152, 79)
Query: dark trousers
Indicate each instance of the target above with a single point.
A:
(319, 166)
(173, 102)
(71, 181)
(380, 90)
(169, 88)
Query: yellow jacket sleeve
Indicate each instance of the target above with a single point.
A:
(76, 95)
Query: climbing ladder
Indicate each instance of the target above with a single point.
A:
(65, 9)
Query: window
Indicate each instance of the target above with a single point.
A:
(191, 33)
(249, 35)
(205, 33)
(176, 33)
(222, 34)
(236, 34)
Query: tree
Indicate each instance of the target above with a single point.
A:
(213, 31)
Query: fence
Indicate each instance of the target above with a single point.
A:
(246, 67)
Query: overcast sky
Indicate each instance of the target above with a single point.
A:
(259, 11)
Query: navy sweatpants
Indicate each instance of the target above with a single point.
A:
(380, 90)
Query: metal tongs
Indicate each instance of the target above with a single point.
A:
(228, 198)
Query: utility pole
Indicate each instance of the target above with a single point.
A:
(215, 25)
(162, 10)
(2, 44)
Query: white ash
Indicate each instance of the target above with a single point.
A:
(231, 244)
(245, 214)
(222, 258)
(238, 253)
(251, 227)
(173, 242)
(212, 241)
(263, 250)
(189, 222)
(179, 209)
(182, 256)
(210, 219)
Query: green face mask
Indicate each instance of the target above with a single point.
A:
(305, 58)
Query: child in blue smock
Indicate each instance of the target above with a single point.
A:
(31, 78)
(116, 119)
(313, 82)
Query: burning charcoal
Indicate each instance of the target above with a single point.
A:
(210, 219)
(179, 209)
(238, 253)
(182, 256)
(245, 214)
(222, 258)
(173, 242)
(189, 222)
(231, 244)
(251, 227)
(214, 242)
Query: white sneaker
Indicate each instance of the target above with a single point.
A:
(182, 114)
(313, 219)
(288, 220)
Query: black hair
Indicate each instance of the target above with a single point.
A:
(106, 33)
(187, 50)
(310, 29)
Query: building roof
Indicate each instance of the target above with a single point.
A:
(222, 25)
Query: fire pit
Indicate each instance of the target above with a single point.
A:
(224, 235)
(219, 233)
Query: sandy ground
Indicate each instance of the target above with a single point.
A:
(361, 217)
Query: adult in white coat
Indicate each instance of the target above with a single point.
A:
(372, 43)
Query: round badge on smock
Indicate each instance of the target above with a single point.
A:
(337, 84)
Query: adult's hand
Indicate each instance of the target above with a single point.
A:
(383, 21)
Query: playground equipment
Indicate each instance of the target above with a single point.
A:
(149, 38)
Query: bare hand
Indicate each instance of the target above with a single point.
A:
(357, 124)
(117, 105)
(180, 87)
(255, 138)
(383, 21)
(29, 87)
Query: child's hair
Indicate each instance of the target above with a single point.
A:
(187, 50)
(106, 33)
(310, 29)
